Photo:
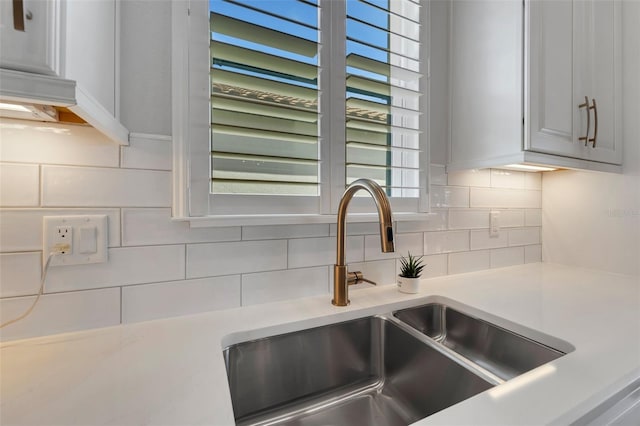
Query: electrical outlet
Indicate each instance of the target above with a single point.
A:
(63, 240)
(77, 239)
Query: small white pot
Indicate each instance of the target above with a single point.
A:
(408, 285)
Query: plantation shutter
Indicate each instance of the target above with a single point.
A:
(383, 123)
(264, 97)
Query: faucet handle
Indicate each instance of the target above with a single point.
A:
(356, 277)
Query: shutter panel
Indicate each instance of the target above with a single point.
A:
(264, 97)
(383, 128)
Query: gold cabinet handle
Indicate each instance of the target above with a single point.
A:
(586, 105)
(18, 15)
(595, 129)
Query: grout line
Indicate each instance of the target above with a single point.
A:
(40, 186)
(53, 293)
(186, 259)
(287, 255)
(121, 214)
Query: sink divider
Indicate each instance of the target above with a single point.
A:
(454, 356)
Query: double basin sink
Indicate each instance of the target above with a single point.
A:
(390, 369)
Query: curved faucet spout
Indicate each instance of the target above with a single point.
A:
(385, 219)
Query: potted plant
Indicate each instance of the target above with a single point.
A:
(410, 271)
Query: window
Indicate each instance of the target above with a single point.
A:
(298, 98)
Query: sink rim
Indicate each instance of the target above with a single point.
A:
(349, 314)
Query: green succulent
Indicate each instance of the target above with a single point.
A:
(411, 267)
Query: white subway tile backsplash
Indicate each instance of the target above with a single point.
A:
(509, 256)
(479, 218)
(533, 254)
(91, 187)
(149, 226)
(469, 261)
(525, 236)
(473, 177)
(170, 299)
(216, 259)
(19, 185)
(505, 198)
(276, 232)
(445, 242)
(147, 152)
(404, 243)
(159, 268)
(58, 313)
(449, 196)
(125, 266)
(267, 287)
(382, 272)
(52, 143)
(437, 221)
(512, 218)
(468, 218)
(533, 181)
(481, 239)
(322, 251)
(21, 229)
(19, 274)
(356, 228)
(437, 175)
(436, 266)
(533, 217)
(507, 179)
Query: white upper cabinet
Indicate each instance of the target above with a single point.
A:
(574, 64)
(536, 83)
(63, 54)
(29, 35)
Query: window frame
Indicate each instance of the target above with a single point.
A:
(192, 200)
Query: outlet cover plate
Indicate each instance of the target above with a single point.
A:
(51, 224)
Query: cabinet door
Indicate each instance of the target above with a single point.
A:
(32, 46)
(598, 74)
(550, 79)
(573, 52)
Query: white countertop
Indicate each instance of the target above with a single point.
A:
(172, 371)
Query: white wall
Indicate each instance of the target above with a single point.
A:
(592, 220)
(158, 268)
(146, 66)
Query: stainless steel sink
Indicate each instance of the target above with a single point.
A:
(390, 369)
(501, 352)
(367, 371)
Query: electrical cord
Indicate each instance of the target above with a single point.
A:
(40, 292)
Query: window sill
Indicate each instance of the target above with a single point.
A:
(299, 219)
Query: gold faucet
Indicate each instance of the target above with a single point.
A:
(340, 281)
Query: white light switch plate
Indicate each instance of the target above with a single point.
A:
(494, 224)
(88, 239)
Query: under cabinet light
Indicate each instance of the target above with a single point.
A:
(529, 168)
(28, 111)
(13, 107)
